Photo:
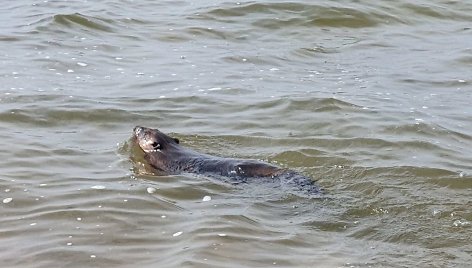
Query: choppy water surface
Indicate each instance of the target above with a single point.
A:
(372, 99)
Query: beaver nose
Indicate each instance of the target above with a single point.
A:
(138, 129)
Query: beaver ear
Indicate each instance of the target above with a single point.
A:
(176, 140)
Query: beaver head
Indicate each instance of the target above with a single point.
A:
(159, 149)
(152, 140)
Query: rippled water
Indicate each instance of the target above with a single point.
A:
(372, 99)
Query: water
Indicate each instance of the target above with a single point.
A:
(369, 98)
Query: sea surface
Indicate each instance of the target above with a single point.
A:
(370, 99)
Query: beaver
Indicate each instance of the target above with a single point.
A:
(168, 157)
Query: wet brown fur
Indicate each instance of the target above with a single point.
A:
(166, 155)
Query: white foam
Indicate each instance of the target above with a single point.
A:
(151, 190)
(177, 234)
(459, 223)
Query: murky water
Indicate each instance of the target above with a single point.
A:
(372, 99)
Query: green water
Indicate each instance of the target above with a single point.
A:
(369, 98)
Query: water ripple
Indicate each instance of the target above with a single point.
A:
(369, 99)
(283, 15)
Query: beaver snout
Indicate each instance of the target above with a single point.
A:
(137, 130)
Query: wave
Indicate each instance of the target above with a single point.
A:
(281, 15)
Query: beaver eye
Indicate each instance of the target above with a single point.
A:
(156, 145)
